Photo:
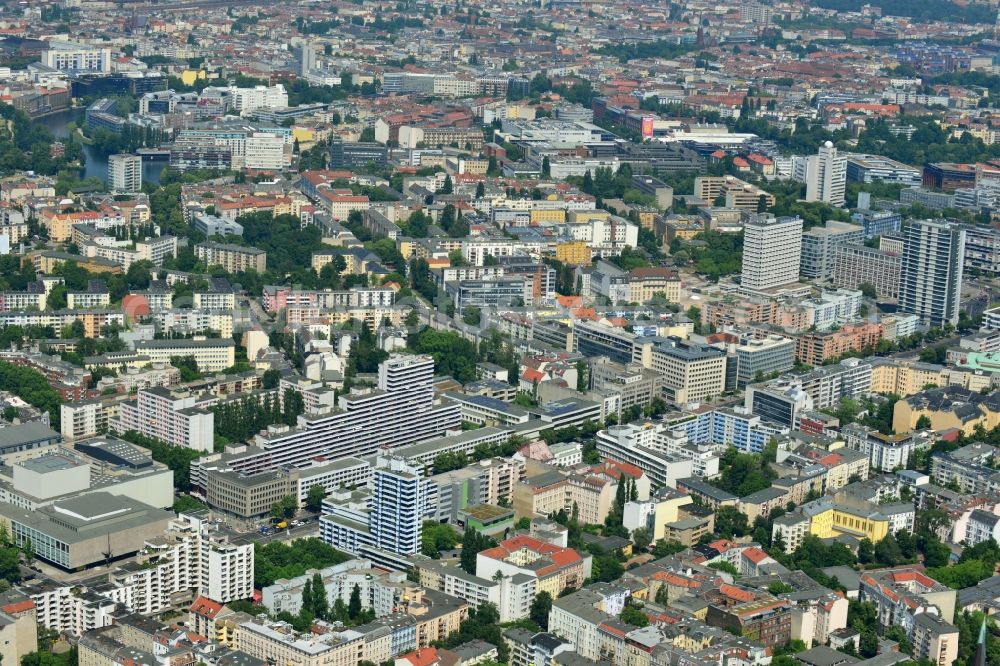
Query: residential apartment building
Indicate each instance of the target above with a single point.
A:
(772, 251)
(908, 598)
(125, 173)
(556, 491)
(858, 264)
(399, 502)
(174, 417)
(821, 244)
(211, 354)
(826, 176)
(234, 258)
(932, 268)
(554, 568)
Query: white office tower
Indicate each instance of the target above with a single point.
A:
(772, 249)
(125, 173)
(399, 502)
(826, 176)
(930, 281)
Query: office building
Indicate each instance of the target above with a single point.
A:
(982, 249)
(878, 222)
(356, 155)
(759, 358)
(663, 193)
(948, 176)
(780, 403)
(213, 225)
(732, 193)
(876, 168)
(501, 292)
(771, 252)
(307, 58)
(248, 100)
(646, 450)
(125, 173)
(826, 176)
(820, 245)
(930, 284)
(691, 372)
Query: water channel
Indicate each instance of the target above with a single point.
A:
(97, 164)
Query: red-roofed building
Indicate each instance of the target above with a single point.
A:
(554, 567)
(615, 470)
(19, 637)
(428, 656)
(202, 615)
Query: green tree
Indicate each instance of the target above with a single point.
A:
(284, 508)
(541, 606)
(641, 538)
(354, 604)
(320, 601)
(634, 616)
(271, 378)
(314, 499)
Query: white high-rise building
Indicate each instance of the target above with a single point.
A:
(248, 100)
(930, 282)
(399, 502)
(73, 57)
(125, 173)
(390, 520)
(403, 411)
(826, 176)
(265, 151)
(772, 249)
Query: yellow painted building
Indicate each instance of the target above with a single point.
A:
(835, 520)
(683, 229)
(407, 248)
(306, 136)
(189, 76)
(585, 216)
(574, 253)
(667, 512)
(907, 412)
(557, 216)
(905, 378)
(647, 219)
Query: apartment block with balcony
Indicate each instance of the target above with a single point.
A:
(176, 417)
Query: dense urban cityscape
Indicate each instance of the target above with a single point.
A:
(526, 333)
